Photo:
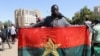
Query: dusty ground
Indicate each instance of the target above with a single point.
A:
(9, 52)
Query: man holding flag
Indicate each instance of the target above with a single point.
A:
(55, 20)
(57, 41)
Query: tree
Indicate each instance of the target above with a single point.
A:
(1, 24)
(68, 19)
(84, 13)
(76, 18)
(8, 23)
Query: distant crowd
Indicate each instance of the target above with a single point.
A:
(8, 35)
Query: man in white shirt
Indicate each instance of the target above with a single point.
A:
(13, 33)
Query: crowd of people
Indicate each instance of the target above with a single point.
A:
(7, 35)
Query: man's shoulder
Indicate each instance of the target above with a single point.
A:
(96, 26)
(64, 18)
(48, 17)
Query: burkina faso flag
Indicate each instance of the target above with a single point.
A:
(68, 41)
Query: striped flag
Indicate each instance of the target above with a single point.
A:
(69, 41)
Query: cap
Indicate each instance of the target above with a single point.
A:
(54, 7)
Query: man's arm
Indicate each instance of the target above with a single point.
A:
(39, 24)
(66, 22)
(89, 26)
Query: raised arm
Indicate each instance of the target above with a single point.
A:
(39, 24)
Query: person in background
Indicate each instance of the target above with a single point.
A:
(9, 35)
(4, 37)
(55, 20)
(88, 23)
(0, 37)
(13, 33)
(38, 19)
(96, 35)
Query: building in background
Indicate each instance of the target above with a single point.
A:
(25, 17)
(97, 10)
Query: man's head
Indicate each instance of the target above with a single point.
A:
(5, 26)
(36, 15)
(55, 10)
(12, 24)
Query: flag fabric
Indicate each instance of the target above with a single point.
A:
(68, 41)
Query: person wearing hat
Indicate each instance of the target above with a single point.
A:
(55, 20)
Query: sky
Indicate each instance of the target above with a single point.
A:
(67, 7)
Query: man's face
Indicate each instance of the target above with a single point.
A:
(55, 12)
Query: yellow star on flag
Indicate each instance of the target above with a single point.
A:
(50, 47)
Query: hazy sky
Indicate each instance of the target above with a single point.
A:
(67, 7)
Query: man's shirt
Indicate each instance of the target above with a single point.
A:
(96, 29)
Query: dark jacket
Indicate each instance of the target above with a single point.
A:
(51, 21)
(0, 33)
(4, 32)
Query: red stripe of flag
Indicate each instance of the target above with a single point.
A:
(67, 37)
